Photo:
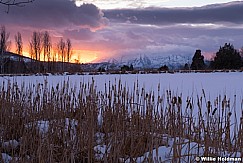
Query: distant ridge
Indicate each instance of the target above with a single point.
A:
(142, 62)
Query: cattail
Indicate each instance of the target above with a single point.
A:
(174, 100)
(179, 100)
(208, 106)
(214, 111)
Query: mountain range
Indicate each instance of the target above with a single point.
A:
(143, 62)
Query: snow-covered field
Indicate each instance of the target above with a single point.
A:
(210, 86)
(185, 84)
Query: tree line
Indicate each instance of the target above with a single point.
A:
(227, 57)
(41, 48)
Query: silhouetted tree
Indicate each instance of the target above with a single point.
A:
(164, 68)
(186, 66)
(46, 46)
(101, 69)
(127, 68)
(131, 67)
(4, 44)
(31, 51)
(35, 45)
(18, 43)
(69, 49)
(61, 48)
(227, 58)
(198, 61)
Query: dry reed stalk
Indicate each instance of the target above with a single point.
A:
(132, 121)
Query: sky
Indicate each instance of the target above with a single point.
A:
(101, 30)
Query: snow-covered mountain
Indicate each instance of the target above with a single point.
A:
(173, 61)
(144, 62)
(141, 62)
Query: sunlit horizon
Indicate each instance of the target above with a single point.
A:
(78, 56)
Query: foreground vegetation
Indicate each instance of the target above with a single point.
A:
(40, 123)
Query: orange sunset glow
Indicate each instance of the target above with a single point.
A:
(78, 56)
(84, 56)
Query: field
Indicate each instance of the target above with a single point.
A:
(121, 118)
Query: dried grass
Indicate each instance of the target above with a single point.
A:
(127, 123)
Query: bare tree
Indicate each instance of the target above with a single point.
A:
(19, 3)
(35, 50)
(18, 43)
(69, 50)
(3, 40)
(4, 46)
(61, 48)
(35, 45)
(46, 46)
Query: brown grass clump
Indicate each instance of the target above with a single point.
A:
(39, 123)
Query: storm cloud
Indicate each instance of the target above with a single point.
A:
(219, 13)
(54, 14)
(81, 34)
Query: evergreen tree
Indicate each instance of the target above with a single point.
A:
(198, 61)
(186, 66)
(131, 67)
(127, 68)
(164, 68)
(227, 58)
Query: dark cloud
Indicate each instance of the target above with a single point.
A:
(230, 12)
(54, 14)
(80, 34)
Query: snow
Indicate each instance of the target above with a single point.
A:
(6, 158)
(11, 144)
(215, 83)
(43, 126)
(165, 153)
